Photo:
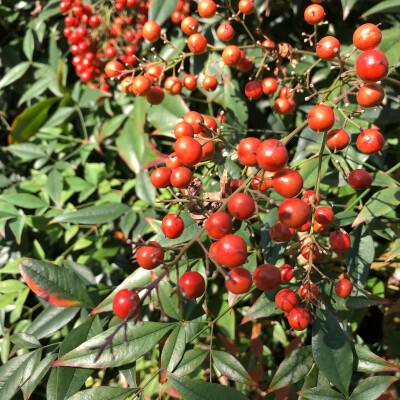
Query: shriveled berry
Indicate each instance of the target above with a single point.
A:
(281, 233)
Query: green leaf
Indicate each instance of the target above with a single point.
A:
(169, 300)
(372, 388)
(11, 285)
(368, 362)
(54, 186)
(25, 341)
(50, 320)
(394, 251)
(332, 351)
(37, 89)
(198, 390)
(347, 5)
(144, 188)
(111, 126)
(29, 44)
(388, 6)
(127, 347)
(28, 122)
(14, 74)
(174, 348)
(233, 101)
(379, 204)
(230, 367)
(24, 200)
(320, 393)
(60, 116)
(27, 151)
(65, 382)
(309, 171)
(360, 255)
(293, 368)
(103, 393)
(161, 10)
(380, 178)
(54, 284)
(89, 97)
(191, 360)
(99, 214)
(137, 279)
(263, 307)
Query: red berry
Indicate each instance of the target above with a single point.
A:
(207, 148)
(188, 150)
(370, 95)
(281, 233)
(305, 293)
(272, 155)
(267, 277)
(253, 90)
(225, 32)
(231, 55)
(294, 213)
(372, 66)
(343, 288)
(239, 281)
(370, 141)
(192, 284)
(286, 272)
(262, 184)
(314, 14)
(299, 319)
(172, 161)
(328, 47)
(151, 31)
(339, 241)
(192, 117)
(177, 17)
(309, 197)
(181, 177)
(113, 69)
(209, 83)
(150, 257)
(183, 129)
(141, 85)
(268, 45)
(231, 251)
(246, 6)
(218, 225)
(189, 25)
(360, 179)
(338, 139)
(190, 82)
(288, 182)
(155, 95)
(241, 206)
(172, 226)
(160, 177)
(197, 43)
(124, 301)
(269, 85)
(155, 73)
(206, 8)
(321, 118)
(247, 151)
(173, 85)
(367, 37)
(235, 184)
(306, 250)
(324, 215)
(286, 300)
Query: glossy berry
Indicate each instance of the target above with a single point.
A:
(337, 139)
(213, 250)
(150, 257)
(206, 8)
(173, 85)
(113, 69)
(211, 123)
(321, 118)
(269, 85)
(372, 66)
(307, 249)
(172, 161)
(288, 182)
(267, 277)
(183, 129)
(155, 95)
(314, 14)
(305, 227)
(294, 213)
(268, 45)
(218, 225)
(299, 318)
(207, 148)
(239, 281)
(324, 215)
(320, 228)
(141, 85)
(246, 6)
(160, 177)
(235, 184)
(306, 293)
(188, 150)
(370, 141)
(286, 271)
(232, 251)
(328, 47)
(209, 83)
(225, 32)
(172, 226)
(124, 301)
(284, 105)
(343, 288)
(253, 90)
(367, 37)
(309, 197)
(339, 241)
(154, 72)
(286, 300)
(181, 177)
(272, 155)
(370, 95)
(190, 82)
(192, 284)
(189, 25)
(193, 117)
(247, 151)
(231, 55)
(360, 179)
(151, 31)
(281, 233)
(263, 183)
(197, 43)
(241, 206)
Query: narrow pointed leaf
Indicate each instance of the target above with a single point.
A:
(24, 200)
(320, 393)
(198, 390)
(25, 340)
(54, 284)
(191, 360)
(14, 74)
(141, 338)
(293, 368)
(388, 6)
(103, 393)
(368, 362)
(372, 388)
(394, 251)
(174, 348)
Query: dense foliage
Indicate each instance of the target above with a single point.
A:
(79, 202)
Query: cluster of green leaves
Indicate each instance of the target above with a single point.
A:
(75, 170)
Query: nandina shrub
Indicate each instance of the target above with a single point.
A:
(225, 195)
